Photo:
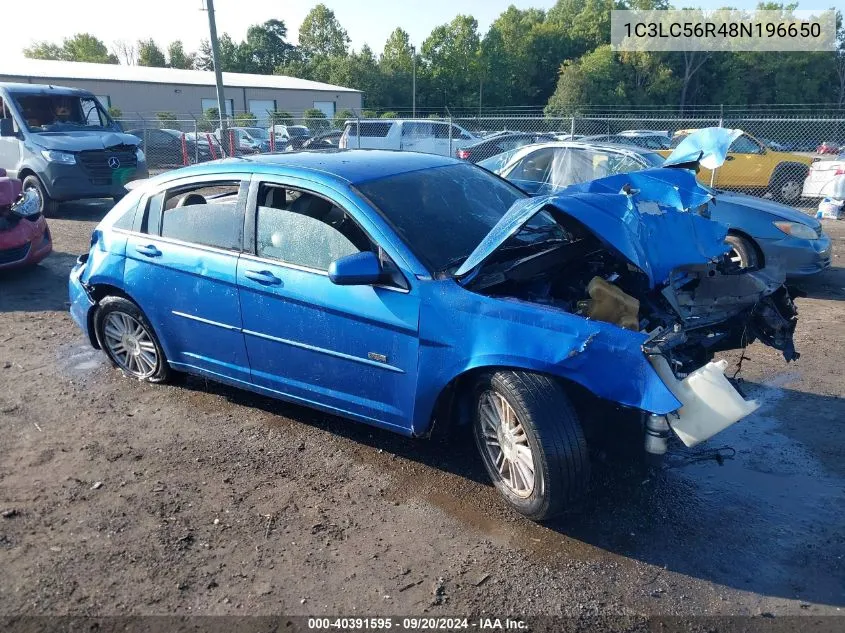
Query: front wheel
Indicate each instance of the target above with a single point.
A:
(531, 442)
(129, 341)
(742, 252)
(46, 205)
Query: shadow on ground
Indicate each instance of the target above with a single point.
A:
(829, 285)
(767, 521)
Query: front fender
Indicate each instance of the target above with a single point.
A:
(461, 331)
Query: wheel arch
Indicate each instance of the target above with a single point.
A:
(761, 257)
(800, 169)
(98, 292)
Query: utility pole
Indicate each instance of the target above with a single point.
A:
(218, 72)
(414, 82)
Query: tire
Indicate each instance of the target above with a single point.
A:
(743, 252)
(144, 357)
(787, 182)
(47, 205)
(549, 429)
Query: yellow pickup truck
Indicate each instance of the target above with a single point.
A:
(752, 167)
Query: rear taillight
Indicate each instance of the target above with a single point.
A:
(840, 172)
(463, 154)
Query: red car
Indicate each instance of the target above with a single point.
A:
(24, 235)
(827, 148)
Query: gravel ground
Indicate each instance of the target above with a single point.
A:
(120, 497)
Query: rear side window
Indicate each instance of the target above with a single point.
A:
(378, 129)
(413, 129)
(206, 214)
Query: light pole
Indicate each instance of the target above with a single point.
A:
(414, 81)
(218, 72)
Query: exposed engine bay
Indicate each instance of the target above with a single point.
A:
(702, 309)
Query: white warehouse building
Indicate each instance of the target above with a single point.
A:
(141, 91)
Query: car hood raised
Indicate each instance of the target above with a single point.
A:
(649, 217)
(82, 140)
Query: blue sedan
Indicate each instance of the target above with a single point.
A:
(410, 291)
(761, 232)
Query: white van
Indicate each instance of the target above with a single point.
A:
(415, 135)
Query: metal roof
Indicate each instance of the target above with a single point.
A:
(42, 69)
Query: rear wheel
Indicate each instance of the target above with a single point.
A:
(787, 183)
(531, 442)
(46, 205)
(129, 341)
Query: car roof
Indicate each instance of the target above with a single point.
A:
(45, 88)
(353, 165)
(587, 144)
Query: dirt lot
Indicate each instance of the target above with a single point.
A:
(120, 497)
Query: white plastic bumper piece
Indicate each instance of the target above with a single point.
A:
(710, 402)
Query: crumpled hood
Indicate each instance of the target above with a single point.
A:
(776, 209)
(81, 140)
(654, 223)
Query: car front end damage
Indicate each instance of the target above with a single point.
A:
(639, 252)
(24, 235)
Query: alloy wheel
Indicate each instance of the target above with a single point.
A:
(130, 344)
(506, 443)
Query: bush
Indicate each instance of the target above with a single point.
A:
(281, 117)
(166, 119)
(342, 117)
(245, 119)
(115, 113)
(315, 120)
(369, 114)
(390, 114)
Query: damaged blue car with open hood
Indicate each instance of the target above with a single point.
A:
(413, 292)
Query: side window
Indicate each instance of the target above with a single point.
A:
(206, 213)
(416, 130)
(744, 145)
(459, 133)
(535, 167)
(441, 130)
(303, 229)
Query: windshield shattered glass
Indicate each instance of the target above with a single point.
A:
(444, 212)
(52, 113)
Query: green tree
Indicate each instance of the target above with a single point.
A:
(245, 119)
(82, 47)
(115, 112)
(315, 120)
(597, 78)
(451, 56)
(266, 47)
(177, 57)
(149, 54)
(321, 35)
(281, 117)
(359, 70)
(390, 114)
(396, 68)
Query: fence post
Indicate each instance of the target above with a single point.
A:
(358, 130)
(721, 124)
(572, 129)
(450, 135)
(196, 143)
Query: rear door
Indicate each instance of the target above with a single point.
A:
(181, 266)
(350, 349)
(10, 146)
(418, 136)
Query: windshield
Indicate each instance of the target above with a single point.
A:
(53, 112)
(257, 133)
(298, 130)
(443, 213)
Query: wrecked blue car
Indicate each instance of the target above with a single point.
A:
(414, 292)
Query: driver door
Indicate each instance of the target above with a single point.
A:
(346, 349)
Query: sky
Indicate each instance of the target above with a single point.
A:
(366, 21)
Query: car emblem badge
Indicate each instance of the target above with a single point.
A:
(114, 163)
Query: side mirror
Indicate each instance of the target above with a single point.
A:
(7, 127)
(359, 269)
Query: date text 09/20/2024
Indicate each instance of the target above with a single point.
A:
(416, 624)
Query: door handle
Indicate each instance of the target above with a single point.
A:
(149, 250)
(263, 277)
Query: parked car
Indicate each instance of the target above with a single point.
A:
(413, 292)
(290, 136)
(761, 232)
(329, 140)
(24, 236)
(754, 168)
(650, 139)
(496, 144)
(826, 179)
(244, 140)
(416, 135)
(828, 148)
(64, 146)
(163, 147)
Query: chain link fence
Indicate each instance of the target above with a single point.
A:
(790, 158)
